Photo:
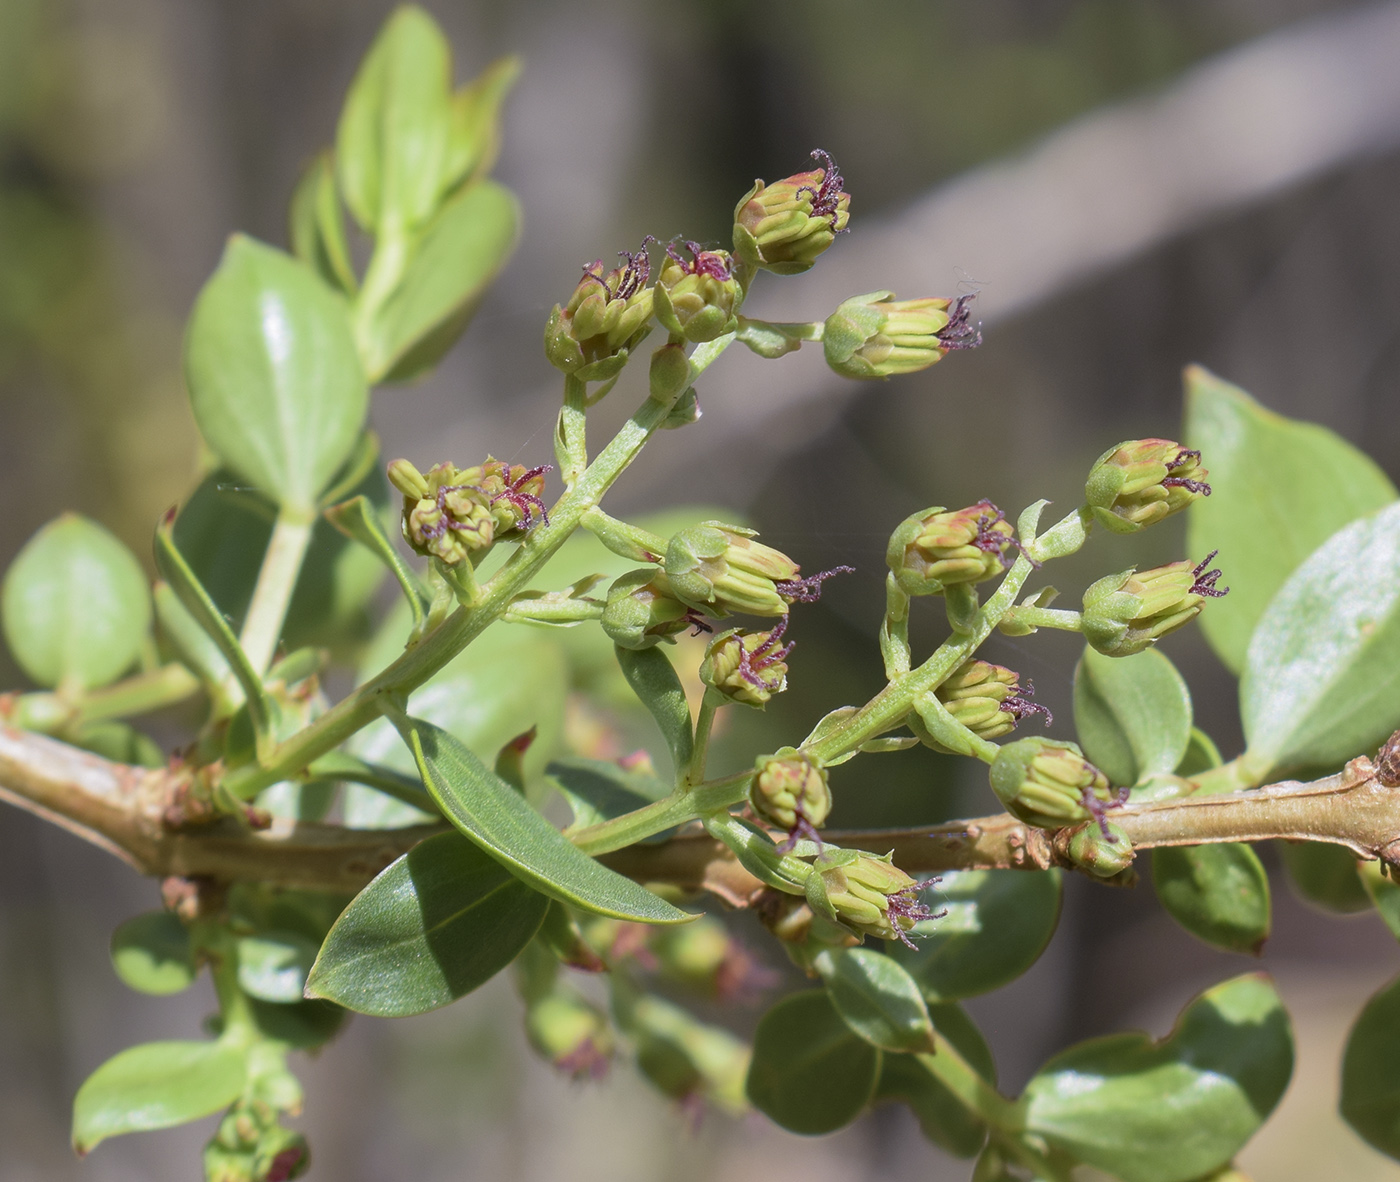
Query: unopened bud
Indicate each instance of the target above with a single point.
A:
(450, 520)
(695, 297)
(405, 477)
(747, 667)
(1128, 612)
(790, 790)
(877, 336)
(988, 699)
(571, 1034)
(869, 895)
(938, 548)
(670, 374)
(705, 956)
(784, 226)
(607, 316)
(641, 610)
(1048, 783)
(1102, 852)
(1138, 483)
(718, 568)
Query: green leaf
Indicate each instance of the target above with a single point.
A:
(303, 1025)
(1322, 677)
(75, 604)
(152, 953)
(998, 923)
(437, 923)
(942, 1117)
(1201, 754)
(155, 1086)
(504, 682)
(1133, 714)
(597, 790)
(317, 229)
(475, 137)
(1219, 893)
(1324, 875)
(274, 377)
(500, 821)
(1169, 1111)
(392, 142)
(273, 966)
(1384, 894)
(360, 520)
(1371, 1072)
(810, 1073)
(223, 531)
(652, 676)
(876, 998)
(119, 742)
(1280, 489)
(461, 252)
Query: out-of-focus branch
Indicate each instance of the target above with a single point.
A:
(123, 809)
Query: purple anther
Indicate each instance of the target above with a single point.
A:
(765, 656)
(809, 590)
(1182, 457)
(629, 278)
(1020, 706)
(960, 332)
(802, 830)
(905, 905)
(1205, 583)
(696, 622)
(990, 540)
(522, 501)
(702, 261)
(826, 198)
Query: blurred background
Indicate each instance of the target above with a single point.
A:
(1130, 185)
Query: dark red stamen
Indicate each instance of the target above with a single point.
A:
(284, 1164)
(1098, 808)
(1205, 583)
(960, 332)
(702, 261)
(623, 282)
(989, 539)
(765, 656)
(826, 199)
(905, 905)
(523, 501)
(803, 829)
(1020, 706)
(809, 590)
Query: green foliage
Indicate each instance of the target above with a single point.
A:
(1370, 1081)
(437, 923)
(650, 674)
(75, 605)
(877, 998)
(1132, 714)
(1324, 875)
(1281, 489)
(1219, 893)
(1174, 1110)
(152, 953)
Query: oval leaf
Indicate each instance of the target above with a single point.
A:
(1383, 892)
(877, 998)
(1281, 488)
(1174, 1110)
(1371, 1072)
(152, 953)
(75, 604)
(943, 1118)
(998, 922)
(274, 377)
(1219, 893)
(1133, 714)
(273, 966)
(431, 927)
(810, 1074)
(500, 821)
(1324, 875)
(1322, 676)
(155, 1086)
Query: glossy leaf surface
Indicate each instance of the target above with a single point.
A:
(810, 1072)
(1322, 676)
(75, 605)
(1219, 893)
(152, 953)
(1281, 488)
(1132, 714)
(274, 377)
(1174, 1110)
(434, 925)
(877, 998)
(1371, 1072)
(273, 966)
(154, 1086)
(500, 821)
(998, 924)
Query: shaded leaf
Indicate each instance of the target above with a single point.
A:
(273, 965)
(1371, 1072)
(653, 678)
(152, 953)
(317, 228)
(437, 923)
(876, 998)
(1281, 488)
(1324, 875)
(1384, 893)
(1219, 893)
(1132, 714)
(598, 790)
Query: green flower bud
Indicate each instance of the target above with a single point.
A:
(452, 512)
(696, 299)
(670, 376)
(871, 896)
(936, 549)
(1138, 483)
(988, 699)
(607, 316)
(876, 336)
(705, 956)
(1049, 784)
(1128, 612)
(250, 1146)
(719, 569)
(784, 226)
(791, 791)
(405, 477)
(571, 1034)
(747, 667)
(641, 610)
(1102, 852)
